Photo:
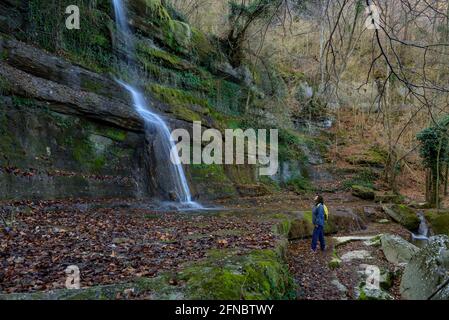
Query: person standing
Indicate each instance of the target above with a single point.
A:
(318, 220)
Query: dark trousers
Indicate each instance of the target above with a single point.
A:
(318, 234)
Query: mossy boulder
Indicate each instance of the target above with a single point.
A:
(300, 227)
(427, 271)
(438, 221)
(225, 275)
(364, 292)
(403, 215)
(340, 220)
(363, 192)
(396, 249)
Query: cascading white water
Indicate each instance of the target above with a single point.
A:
(423, 230)
(176, 174)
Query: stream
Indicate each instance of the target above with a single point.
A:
(175, 174)
(421, 237)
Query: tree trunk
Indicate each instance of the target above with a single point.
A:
(445, 179)
(438, 173)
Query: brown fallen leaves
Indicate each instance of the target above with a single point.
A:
(113, 243)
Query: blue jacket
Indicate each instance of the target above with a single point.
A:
(318, 215)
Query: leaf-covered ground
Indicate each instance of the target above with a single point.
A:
(316, 280)
(116, 241)
(113, 242)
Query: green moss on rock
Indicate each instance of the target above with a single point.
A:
(211, 181)
(183, 105)
(156, 9)
(439, 221)
(179, 97)
(176, 34)
(374, 156)
(203, 48)
(91, 46)
(85, 153)
(301, 225)
(403, 215)
(147, 53)
(299, 185)
(283, 227)
(367, 293)
(290, 144)
(224, 275)
(363, 192)
(115, 134)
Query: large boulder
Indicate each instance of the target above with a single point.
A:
(340, 220)
(372, 213)
(403, 215)
(438, 221)
(396, 249)
(427, 270)
(363, 192)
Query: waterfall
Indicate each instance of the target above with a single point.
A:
(176, 175)
(423, 230)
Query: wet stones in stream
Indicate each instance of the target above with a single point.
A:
(359, 256)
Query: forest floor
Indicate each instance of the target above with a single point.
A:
(116, 241)
(318, 281)
(315, 278)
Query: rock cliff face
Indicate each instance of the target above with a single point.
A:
(60, 139)
(67, 129)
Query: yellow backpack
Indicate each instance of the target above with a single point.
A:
(326, 212)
